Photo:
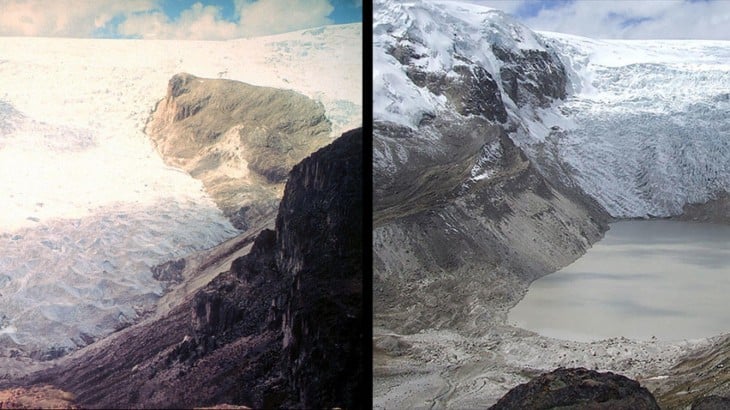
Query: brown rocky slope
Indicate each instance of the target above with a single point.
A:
(240, 140)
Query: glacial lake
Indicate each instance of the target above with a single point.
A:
(659, 278)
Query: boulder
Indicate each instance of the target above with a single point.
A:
(578, 388)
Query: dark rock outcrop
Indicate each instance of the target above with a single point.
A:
(322, 254)
(712, 403)
(716, 210)
(532, 76)
(472, 92)
(469, 88)
(578, 388)
(169, 272)
(240, 140)
(281, 328)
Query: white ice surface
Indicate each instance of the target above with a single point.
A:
(645, 124)
(650, 128)
(87, 205)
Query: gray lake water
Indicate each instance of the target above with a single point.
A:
(665, 279)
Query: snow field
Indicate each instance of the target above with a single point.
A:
(88, 206)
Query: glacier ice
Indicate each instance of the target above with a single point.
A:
(643, 129)
(87, 204)
(650, 128)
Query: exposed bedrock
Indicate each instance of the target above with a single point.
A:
(240, 140)
(531, 77)
(578, 389)
(716, 210)
(319, 245)
(281, 328)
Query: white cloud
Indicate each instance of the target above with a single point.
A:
(659, 19)
(63, 18)
(279, 16)
(196, 23)
(252, 19)
(145, 19)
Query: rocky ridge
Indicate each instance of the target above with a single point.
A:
(449, 239)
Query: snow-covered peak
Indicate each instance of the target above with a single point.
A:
(640, 125)
(439, 35)
(449, 27)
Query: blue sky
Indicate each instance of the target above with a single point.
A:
(171, 19)
(173, 8)
(533, 8)
(346, 11)
(623, 19)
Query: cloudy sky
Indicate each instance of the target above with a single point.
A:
(628, 19)
(168, 19)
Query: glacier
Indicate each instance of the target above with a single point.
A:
(642, 128)
(88, 206)
(650, 131)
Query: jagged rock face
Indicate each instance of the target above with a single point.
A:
(531, 76)
(281, 328)
(240, 140)
(578, 389)
(470, 88)
(323, 256)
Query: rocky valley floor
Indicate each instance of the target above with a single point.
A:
(451, 369)
(437, 369)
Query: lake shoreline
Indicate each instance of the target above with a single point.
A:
(444, 368)
(660, 278)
